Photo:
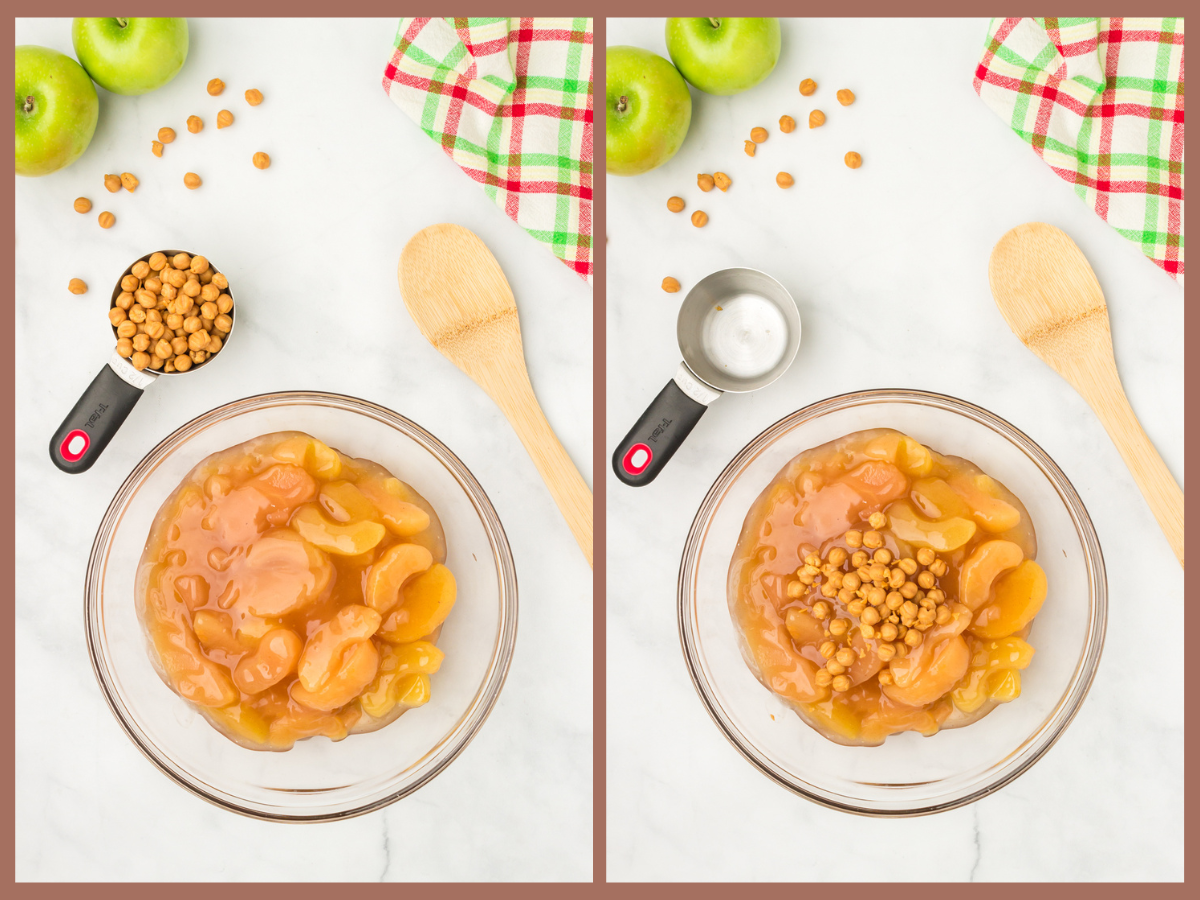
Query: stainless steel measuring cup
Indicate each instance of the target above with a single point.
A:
(738, 330)
(111, 396)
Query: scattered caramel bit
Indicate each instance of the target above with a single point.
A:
(722, 181)
(845, 96)
(261, 160)
(215, 87)
(787, 124)
(254, 97)
(705, 182)
(784, 180)
(750, 145)
(107, 220)
(112, 183)
(816, 119)
(195, 124)
(82, 205)
(676, 204)
(699, 218)
(192, 181)
(758, 135)
(853, 160)
(166, 135)
(129, 181)
(77, 286)
(156, 148)
(224, 119)
(808, 87)
(670, 285)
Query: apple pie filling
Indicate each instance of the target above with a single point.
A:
(289, 591)
(880, 587)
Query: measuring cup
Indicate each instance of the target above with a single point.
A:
(738, 330)
(111, 396)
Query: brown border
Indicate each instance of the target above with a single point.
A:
(600, 469)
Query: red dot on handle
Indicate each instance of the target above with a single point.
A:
(636, 459)
(74, 446)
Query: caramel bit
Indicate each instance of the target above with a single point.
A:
(894, 600)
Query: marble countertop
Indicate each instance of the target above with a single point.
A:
(314, 242)
(888, 264)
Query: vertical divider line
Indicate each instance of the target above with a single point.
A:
(599, 462)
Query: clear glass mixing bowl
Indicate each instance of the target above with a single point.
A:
(317, 780)
(910, 774)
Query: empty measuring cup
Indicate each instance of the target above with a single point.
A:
(738, 330)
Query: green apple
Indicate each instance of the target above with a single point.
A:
(648, 113)
(724, 56)
(131, 56)
(57, 109)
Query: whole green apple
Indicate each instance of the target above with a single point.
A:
(131, 56)
(724, 56)
(57, 109)
(649, 110)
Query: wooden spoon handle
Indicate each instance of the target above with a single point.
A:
(1101, 387)
(566, 485)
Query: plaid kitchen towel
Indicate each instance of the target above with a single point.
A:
(510, 101)
(1101, 101)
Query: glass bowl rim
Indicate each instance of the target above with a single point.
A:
(497, 672)
(1093, 558)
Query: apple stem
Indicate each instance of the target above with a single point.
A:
(715, 23)
(622, 104)
(122, 22)
(27, 106)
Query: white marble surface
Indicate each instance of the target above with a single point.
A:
(313, 244)
(889, 266)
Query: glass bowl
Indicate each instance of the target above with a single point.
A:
(317, 780)
(909, 775)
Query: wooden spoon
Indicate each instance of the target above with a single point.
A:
(461, 302)
(1050, 298)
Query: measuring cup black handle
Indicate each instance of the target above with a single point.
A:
(92, 422)
(669, 419)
